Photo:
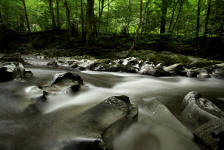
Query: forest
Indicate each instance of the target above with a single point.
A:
(111, 74)
(172, 25)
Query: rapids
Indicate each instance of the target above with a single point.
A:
(55, 120)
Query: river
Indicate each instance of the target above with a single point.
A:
(54, 125)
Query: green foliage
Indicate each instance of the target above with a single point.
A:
(120, 16)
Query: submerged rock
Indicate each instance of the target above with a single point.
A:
(63, 82)
(88, 144)
(198, 110)
(149, 135)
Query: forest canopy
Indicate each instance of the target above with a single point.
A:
(179, 17)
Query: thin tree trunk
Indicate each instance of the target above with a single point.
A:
(146, 17)
(163, 17)
(108, 13)
(25, 12)
(101, 7)
(129, 15)
(58, 13)
(68, 19)
(178, 15)
(172, 16)
(198, 23)
(90, 22)
(139, 26)
(52, 14)
(2, 33)
(82, 22)
(207, 18)
(222, 26)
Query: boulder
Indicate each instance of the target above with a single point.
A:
(176, 69)
(52, 64)
(203, 73)
(207, 133)
(63, 82)
(10, 71)
(197, 73)
(16, 57)
(150, 69)
(192, 73)
(94, 128)
(107, 119)
(198, 110)
(218, 73)
(28, 74)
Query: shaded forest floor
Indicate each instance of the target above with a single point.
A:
(154, 48)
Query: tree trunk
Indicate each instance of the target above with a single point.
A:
(198, 23)
(82, 22)
(90, 22)
(145, 20)
(172, 16)
(101, 7)
(68, 19)
(222, 26)
(58, 13)
(139, 26)
(52, 14)
(207, 17)
(163, 17)
(2, 34)
(178, 15)
(108, 14)
(25, 12)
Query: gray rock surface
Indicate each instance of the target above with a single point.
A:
(198, 110)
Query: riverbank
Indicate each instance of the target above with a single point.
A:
(143, 62)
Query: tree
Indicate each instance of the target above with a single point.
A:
(172, 16)
(82, 21)
(198, 23)
(90, 22)
(58, 14)
(52, 14)
(27, 19)
(207, 17)
(178, 15)
(163, 16)
(139, 26)
(68, 19)
(101, 7)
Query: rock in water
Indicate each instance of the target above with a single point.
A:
(107, 119)
(176, 69)
(64, 81)
(16, 57)
(205, 133)
(52, 64)
(93, 129)
(10, 71)
(218, 73)
(198, 110)
(150, 69)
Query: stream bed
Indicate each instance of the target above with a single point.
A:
(58, 122)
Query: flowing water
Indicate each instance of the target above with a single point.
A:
(53, 125)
